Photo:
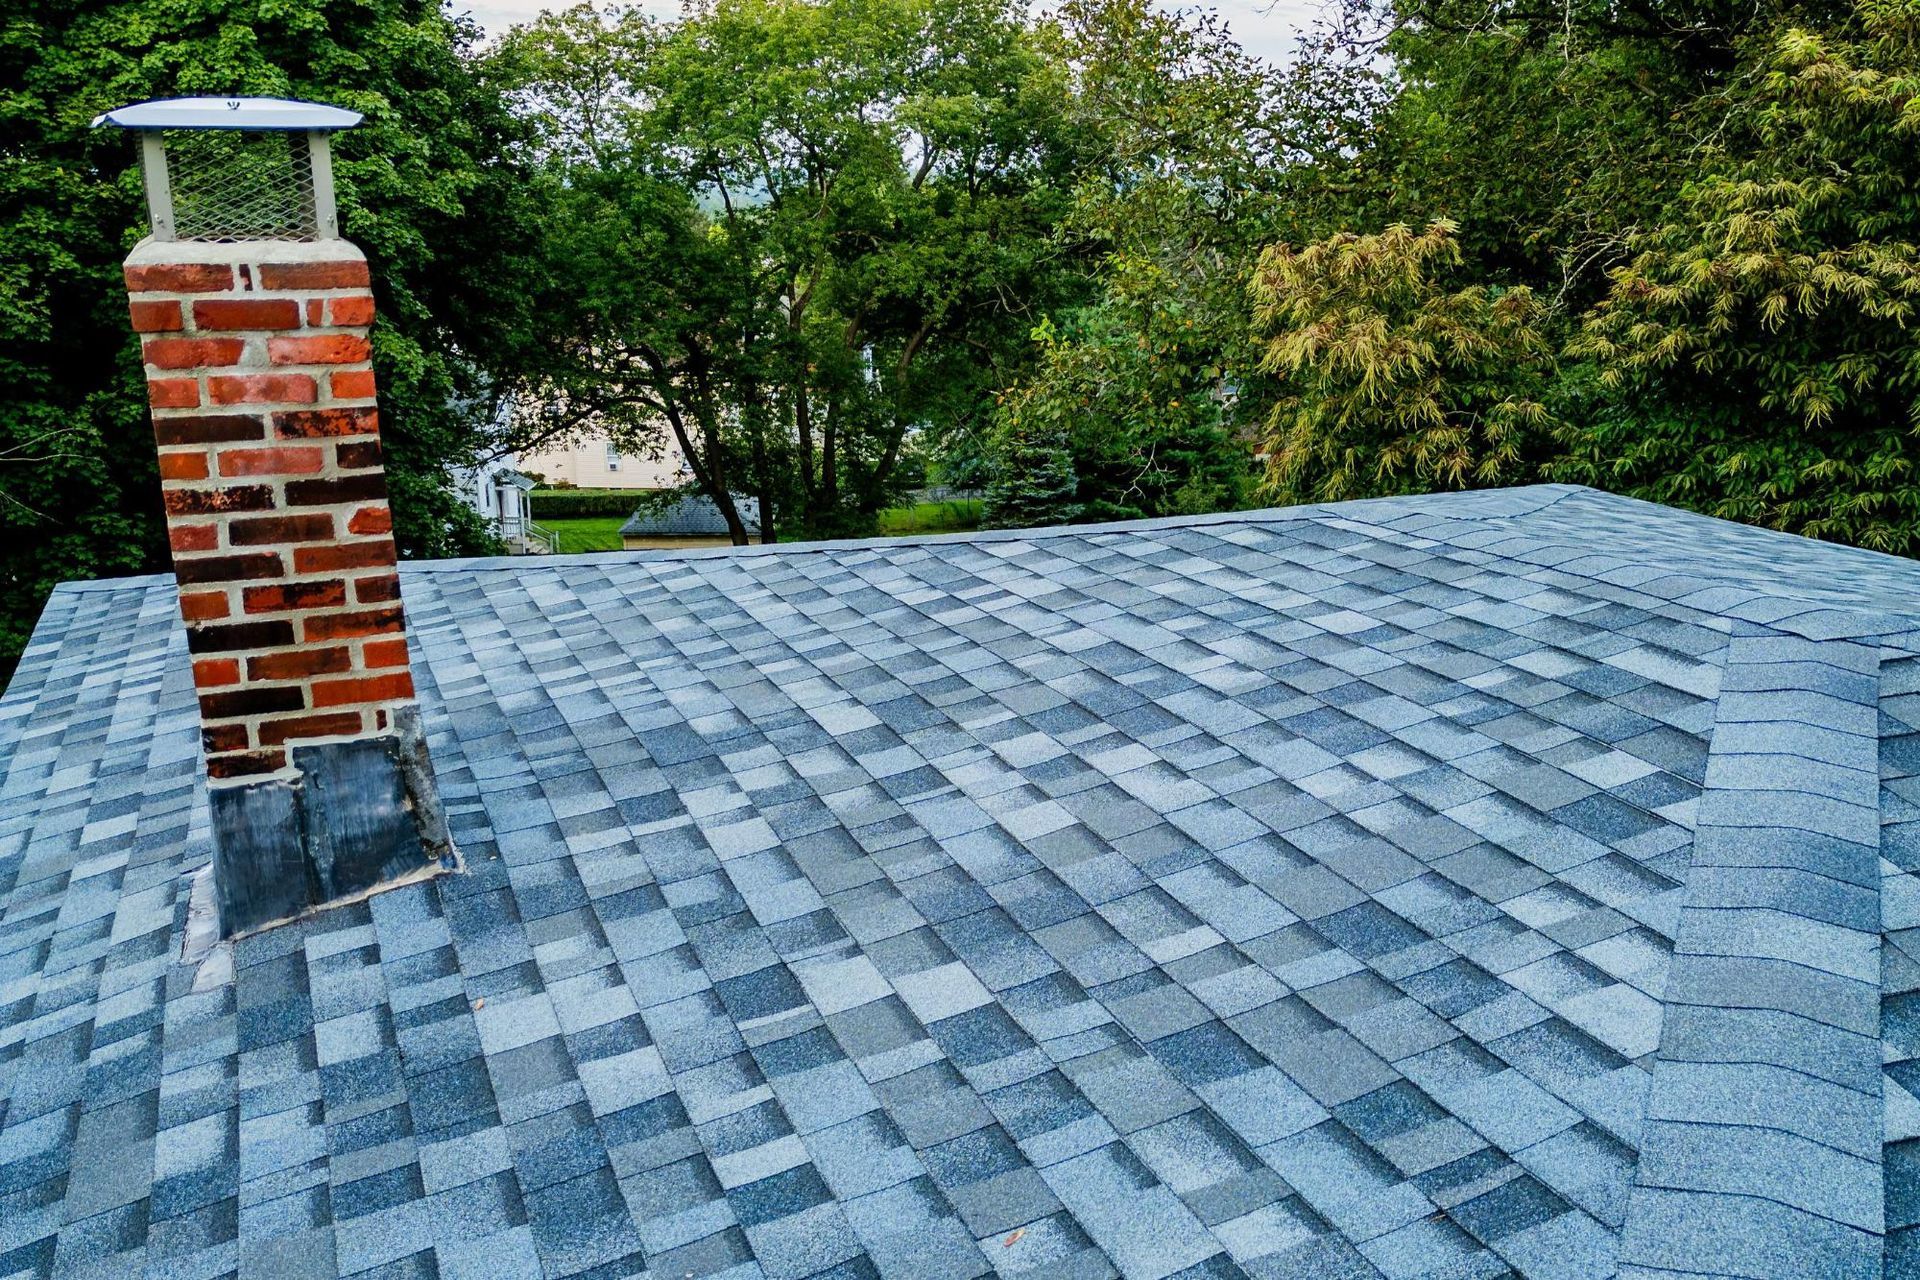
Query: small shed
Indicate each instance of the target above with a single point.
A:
(692, 520)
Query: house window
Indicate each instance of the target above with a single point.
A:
(613, 456)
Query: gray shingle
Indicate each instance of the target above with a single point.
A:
(853, 908)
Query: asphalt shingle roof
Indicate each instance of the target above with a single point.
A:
(1521, 883)
(692, 515)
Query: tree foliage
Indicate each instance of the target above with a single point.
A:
(845, 208)
(1125, 425)
(1685, 265)
(1759, 349)
(1092, 260)
(1396, 382)
(1152, 382)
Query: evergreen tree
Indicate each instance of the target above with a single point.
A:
(1033, 482)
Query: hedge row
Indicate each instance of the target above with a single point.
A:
(580, 504)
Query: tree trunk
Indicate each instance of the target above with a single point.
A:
(829, 459)
(759, 416)
(803, 426)
(891, 457)
(709, 414)
(709, 468)
(708, 472)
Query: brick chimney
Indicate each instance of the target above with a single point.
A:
(263, 406)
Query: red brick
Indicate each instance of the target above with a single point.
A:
(207, 502)
(193, 537)
(265, 530)
(231, 637)
(173, 393)
(343, 555)
(209, 428)
(264, 388)
(294, 595)
(375, 590)
(254, 565)
(156, 317)
(348, 626)
(371, 520)
(246, 764)
(300, 663)
(253, 700)
(202, 606)
(192, 353)
(331, 725)
(385, 653)
(313, 275)
(352, 384)
(330, 348)
(215, 673)
(357, 455)
(340, 693)
(224, 737)
(353, 313)
(283, 460)
(246, 313)
(183, 466)
(180, 277)
(309, 424)
(366, 486)
(315, 308)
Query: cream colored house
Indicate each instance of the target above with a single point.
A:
(592, 461)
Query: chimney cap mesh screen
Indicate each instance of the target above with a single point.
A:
(240, 185)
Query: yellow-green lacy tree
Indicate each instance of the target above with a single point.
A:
(1394, 382)
(1758, 357)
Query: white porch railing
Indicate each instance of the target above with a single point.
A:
(525, 538)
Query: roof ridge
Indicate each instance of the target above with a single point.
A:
(1503, 527)
(1764, 942)
(1258, 515)
(1704, 584)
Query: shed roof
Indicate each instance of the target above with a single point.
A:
(1516, 883)
(693, 515)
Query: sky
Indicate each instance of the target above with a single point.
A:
(1264, 27)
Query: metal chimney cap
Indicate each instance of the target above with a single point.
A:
(264, 114)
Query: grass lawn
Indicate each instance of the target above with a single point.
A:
(957, 516)
(599, 533)
(602, 533)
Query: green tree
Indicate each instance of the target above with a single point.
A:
(1551, 133)
(422, 188)
(1144, 427)
(1758, 357)
(1153, 382)
(873, 184)
(1394, 381)
(1686, 268)
(1034, 483)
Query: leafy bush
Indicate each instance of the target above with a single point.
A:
(581, 504)
(1758, 356)
(1122, 417)
(1393, 382)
